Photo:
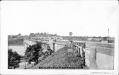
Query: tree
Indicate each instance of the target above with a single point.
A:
(70, 33)
(105, 38)
(34, 52)
(13, 59)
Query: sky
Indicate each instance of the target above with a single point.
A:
(83, 18)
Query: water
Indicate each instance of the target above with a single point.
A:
(20, 49)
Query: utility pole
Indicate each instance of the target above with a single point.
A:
(108, 35)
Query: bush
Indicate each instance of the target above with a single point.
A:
(13, 59)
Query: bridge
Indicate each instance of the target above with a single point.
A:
(89, 54)
(77, 44)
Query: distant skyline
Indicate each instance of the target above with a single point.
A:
(58, 35)
(83, 18)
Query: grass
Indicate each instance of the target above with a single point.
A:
(99, 44)
(62, 59)
(107, 51)
(104, 48)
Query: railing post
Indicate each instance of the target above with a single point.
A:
(82, 55)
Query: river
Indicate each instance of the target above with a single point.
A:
(20, 49)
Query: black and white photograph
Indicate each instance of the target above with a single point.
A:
(52, 51)
(77, 35)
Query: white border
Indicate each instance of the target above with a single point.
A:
(4, 70)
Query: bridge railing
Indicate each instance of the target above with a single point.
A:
(80, 48)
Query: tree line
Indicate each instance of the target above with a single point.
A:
(13, 59)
